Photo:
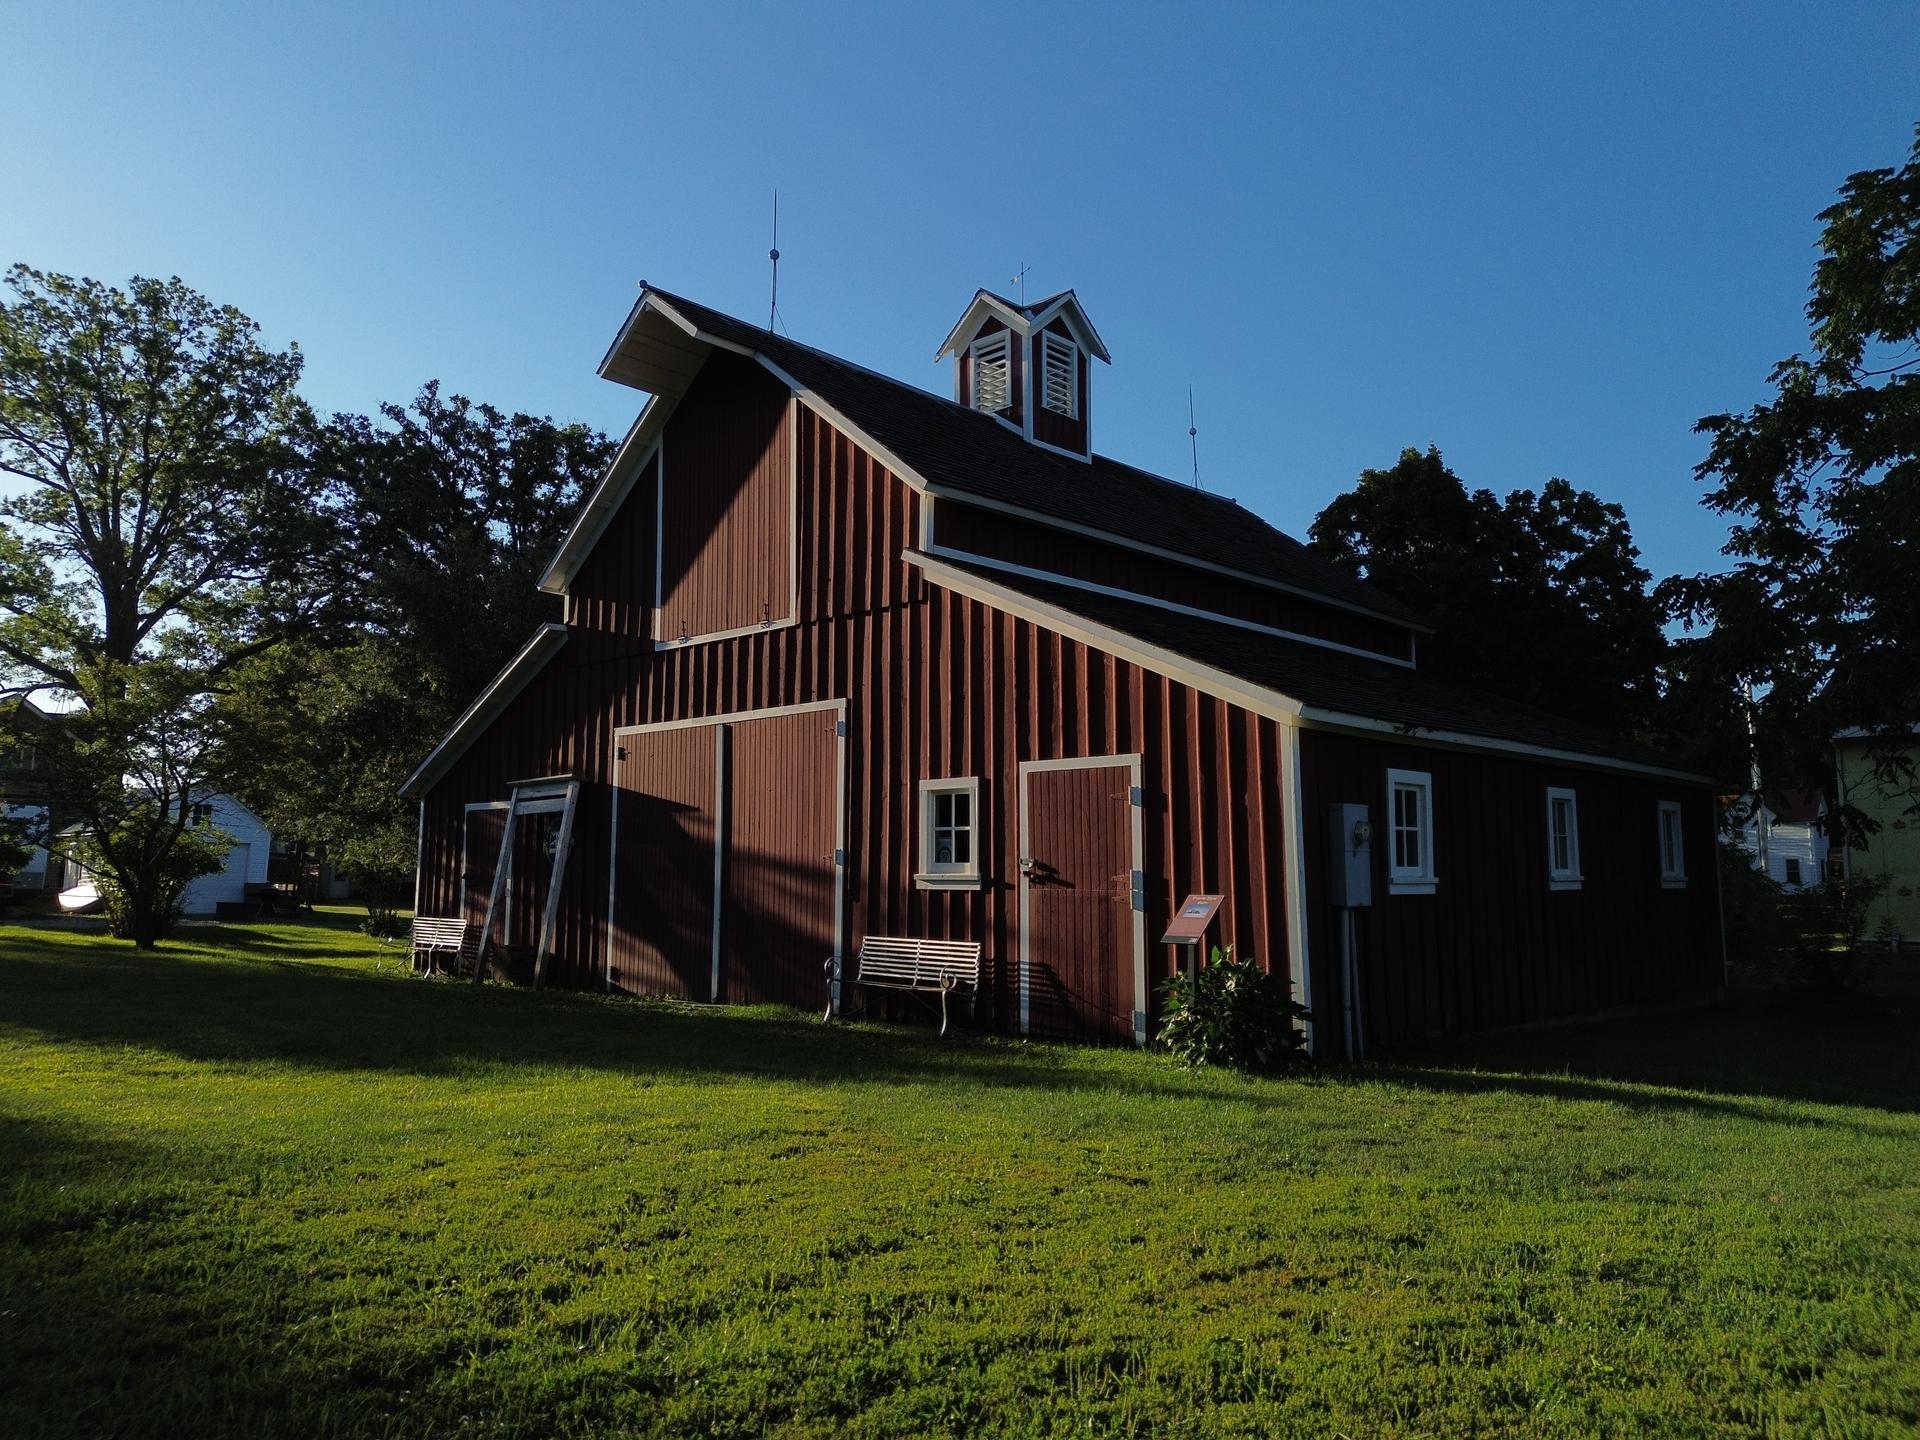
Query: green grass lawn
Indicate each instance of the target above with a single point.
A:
(263, 1183)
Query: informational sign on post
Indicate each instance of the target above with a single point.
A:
(1191, 920)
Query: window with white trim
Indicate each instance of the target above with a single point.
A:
(1563, 839)
(991, 359)
(1059, 374)
(1410, 833)
(1673, 859)
(949, 834)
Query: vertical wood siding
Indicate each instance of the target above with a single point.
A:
(663, 919)
(781, 887)
(727, 469)
(937, 685)
(1079, 907)
(1493, 946)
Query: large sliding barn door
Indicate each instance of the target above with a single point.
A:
(479, 856)
(726, 879)
(1083, 956)
(781, 886)
(662, 940)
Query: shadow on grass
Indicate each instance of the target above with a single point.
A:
(111, 1325)
(279, 1006)
(1842, 1048)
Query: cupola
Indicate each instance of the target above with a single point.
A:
(1025, 364)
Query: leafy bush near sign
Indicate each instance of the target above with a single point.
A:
(1232, 1012)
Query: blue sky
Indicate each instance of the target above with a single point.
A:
(1545, 238)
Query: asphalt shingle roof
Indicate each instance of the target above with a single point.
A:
(954, 448)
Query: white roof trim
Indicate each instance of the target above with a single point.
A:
(1284, 709)
(598, 511)
(606, 498)
(1261, 701)
(501, 692)
(1074, 582)
(984, 304)
(1192, 562)
(1069, 307)
(967, 324)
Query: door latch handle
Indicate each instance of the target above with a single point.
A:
(1027, 867)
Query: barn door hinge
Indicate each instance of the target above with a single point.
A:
(840, 728)
(1139, 889)
(1136, 796)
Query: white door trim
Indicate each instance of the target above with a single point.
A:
(1132, 762)
(768, 713)
(461, 907)
(721, 800)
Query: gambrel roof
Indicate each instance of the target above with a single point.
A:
(950, 449)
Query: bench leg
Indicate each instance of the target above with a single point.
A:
(827, 1015)
(946, 989)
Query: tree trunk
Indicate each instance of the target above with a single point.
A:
(145, 927)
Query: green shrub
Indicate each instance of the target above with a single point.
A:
(1776, 935)
(173, 861)
(1232, 1012)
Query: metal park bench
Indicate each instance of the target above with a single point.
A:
(925, 967)
(433, 939)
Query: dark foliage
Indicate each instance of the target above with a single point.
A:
(1821, 606)
(1231, 1012)
(1540, 597)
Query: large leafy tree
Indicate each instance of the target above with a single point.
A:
(166, 533)
(450, 511)
(1820, 609)
(1540, 596)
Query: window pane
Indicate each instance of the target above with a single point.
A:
(962, 804)
(943, 850)
(962, 847)
(942, 809)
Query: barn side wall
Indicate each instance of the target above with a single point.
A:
(938, 685)
(1493, 946)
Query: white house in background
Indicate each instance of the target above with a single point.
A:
(1784, 837)
(246, 862)
(33, 875)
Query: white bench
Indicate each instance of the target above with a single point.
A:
(927, 967)
(433, 939)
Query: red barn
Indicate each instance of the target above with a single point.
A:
(842, 658)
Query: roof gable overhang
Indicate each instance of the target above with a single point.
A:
(501, 692)
(987, 306)
(656, 350)
(1281, 708)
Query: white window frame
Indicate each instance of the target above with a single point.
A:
(1415, 879)
(1059, 349)
(1568, 876)
(1672, 877)
(954, 874)
(1000, 341)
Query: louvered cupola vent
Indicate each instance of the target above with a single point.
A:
(992, 363)
(1025, 364)
(1059, 374)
